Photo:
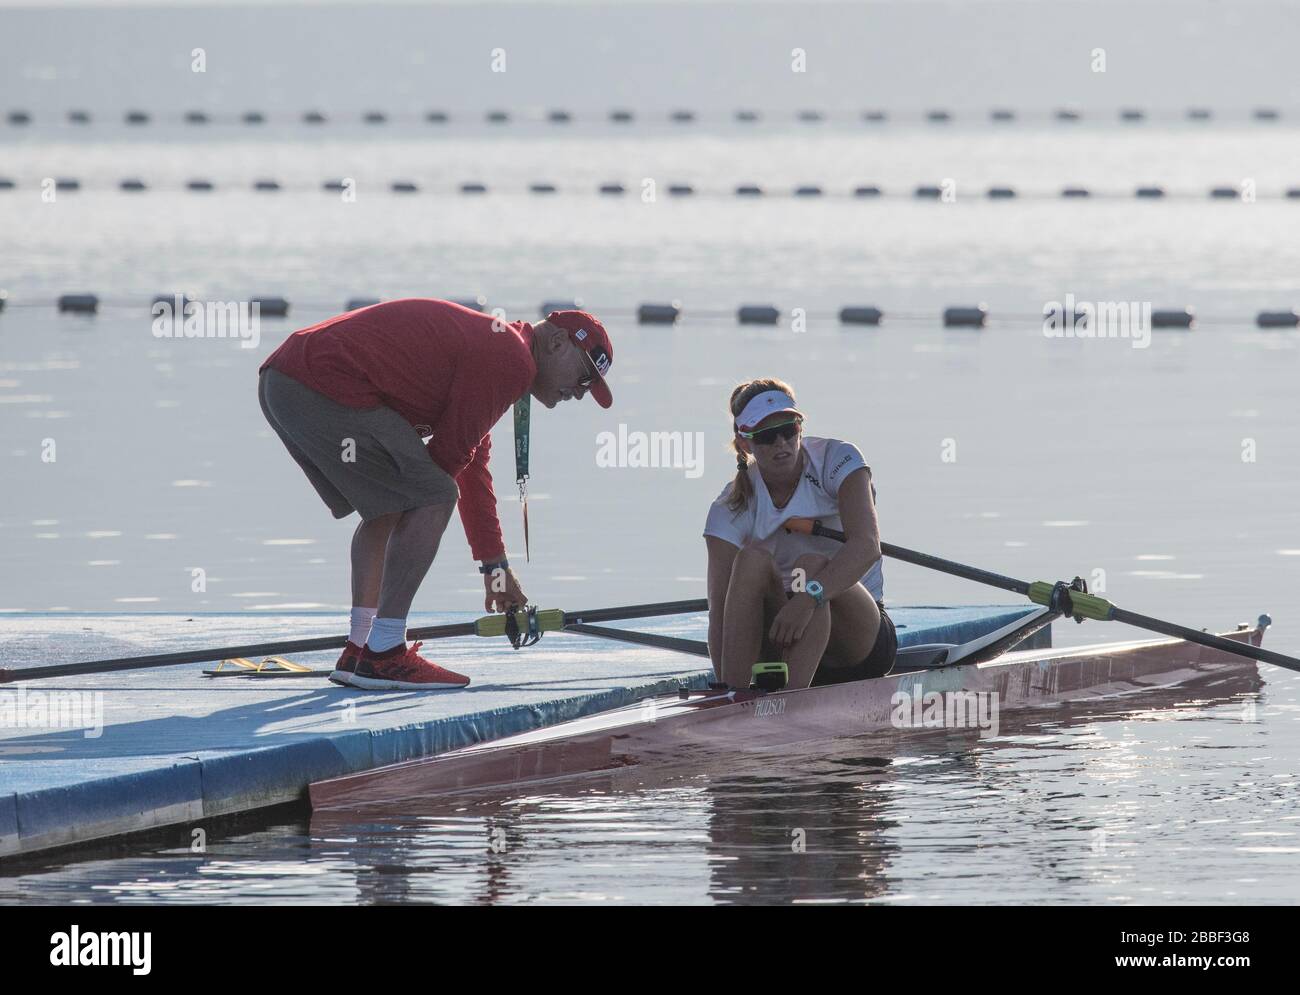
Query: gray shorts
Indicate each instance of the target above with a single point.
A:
(390, 470)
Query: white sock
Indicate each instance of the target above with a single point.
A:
(361, 619)
(385, 633)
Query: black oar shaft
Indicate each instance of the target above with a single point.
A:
(931, 562)
(1115, 614)
(284, 646)
(171, 659)
(651, 610)
(695, 647)
(1204, 638)
(949, 567)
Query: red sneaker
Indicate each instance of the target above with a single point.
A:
(403, 669)
(347, 665)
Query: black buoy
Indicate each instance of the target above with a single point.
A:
(1180, 318)
(615, 189)
(749, 190)
(473, 188)
(1278, 319)
(867, 191)
(548, 306)
(758, 314)
(271, 307)
(658, 314)
(132, 185)
(966, 317)
(854, 315)
(357, 303)
(79, 303)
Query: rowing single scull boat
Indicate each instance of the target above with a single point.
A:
(960, 685)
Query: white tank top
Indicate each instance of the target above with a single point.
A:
(827, 462)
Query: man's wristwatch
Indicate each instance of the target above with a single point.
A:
(814, 588)
(487, 568)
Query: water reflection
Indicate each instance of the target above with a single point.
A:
(1170, 796)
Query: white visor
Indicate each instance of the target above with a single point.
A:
(764, 405)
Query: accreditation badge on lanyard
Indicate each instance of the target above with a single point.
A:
(522, 415)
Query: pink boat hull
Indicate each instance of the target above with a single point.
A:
(661, 730)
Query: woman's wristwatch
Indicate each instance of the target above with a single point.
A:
(501, 564)
(814, 588)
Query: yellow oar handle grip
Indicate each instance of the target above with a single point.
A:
(548, 620)
(1081, 604)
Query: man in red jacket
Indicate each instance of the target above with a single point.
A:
(353, 397)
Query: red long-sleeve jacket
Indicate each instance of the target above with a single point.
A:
(449, 371)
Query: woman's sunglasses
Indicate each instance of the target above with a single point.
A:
(768, 436)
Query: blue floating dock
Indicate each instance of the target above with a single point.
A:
(97, 756)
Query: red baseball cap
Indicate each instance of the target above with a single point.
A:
(586, 332)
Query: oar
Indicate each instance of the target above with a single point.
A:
(1058, 596)
(549, 620)
(695, 647)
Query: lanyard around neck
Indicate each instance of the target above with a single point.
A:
(522, 417)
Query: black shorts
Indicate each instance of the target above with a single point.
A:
(877, 663)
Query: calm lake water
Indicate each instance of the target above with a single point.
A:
(1170, 475)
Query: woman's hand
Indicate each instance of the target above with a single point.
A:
(791, 621)
(502, 590)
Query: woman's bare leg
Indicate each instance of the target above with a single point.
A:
(754, 596)
(804, 656)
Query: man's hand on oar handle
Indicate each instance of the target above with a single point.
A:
(501, 588)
